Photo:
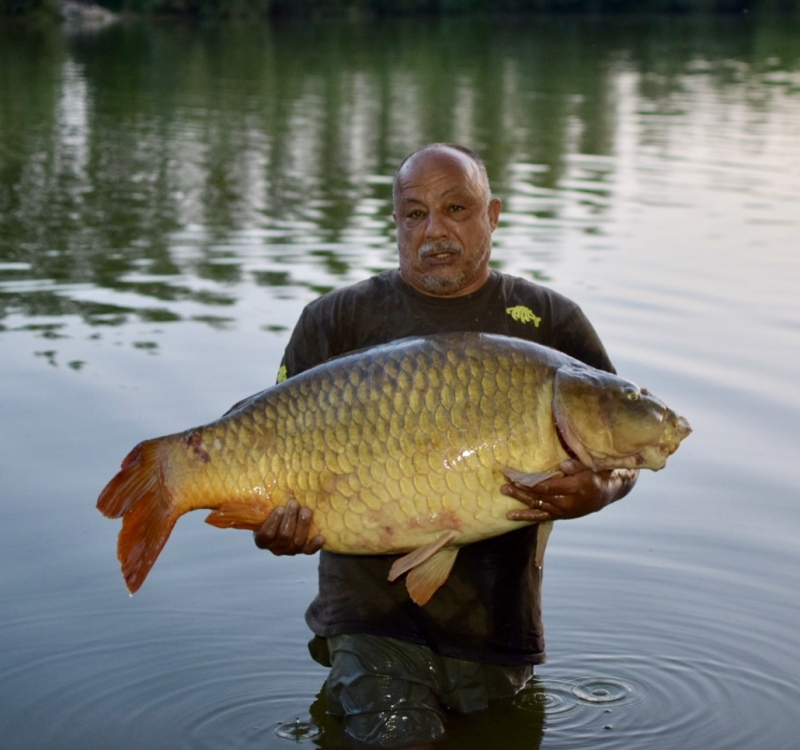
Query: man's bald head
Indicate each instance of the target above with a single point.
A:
(453, 149)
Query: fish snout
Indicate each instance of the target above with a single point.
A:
(675, 430)
(682, 427)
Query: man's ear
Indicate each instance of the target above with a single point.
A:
(494, 210)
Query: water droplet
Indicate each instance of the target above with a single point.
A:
(558, 697)
(601, 690)
(297, 730)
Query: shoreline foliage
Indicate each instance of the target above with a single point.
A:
(305, 8)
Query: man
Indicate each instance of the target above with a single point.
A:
(397, 667)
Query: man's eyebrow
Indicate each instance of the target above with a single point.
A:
(410, 201)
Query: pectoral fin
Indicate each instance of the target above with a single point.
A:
(542, 535)
(427, 567)
(424, 581)
(529, 479)
(238, 515)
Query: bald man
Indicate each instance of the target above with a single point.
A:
(397, 669)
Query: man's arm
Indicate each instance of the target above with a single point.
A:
(576, 492)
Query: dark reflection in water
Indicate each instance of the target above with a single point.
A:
(516, 725)
(134, 158)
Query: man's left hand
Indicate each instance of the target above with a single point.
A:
(575, 491)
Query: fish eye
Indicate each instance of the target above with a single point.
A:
(632, 394)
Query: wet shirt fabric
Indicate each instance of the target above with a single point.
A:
(489, 608)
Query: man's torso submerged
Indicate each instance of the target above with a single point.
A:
(489, 608)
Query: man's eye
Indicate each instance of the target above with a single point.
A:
(414, 214)
(456, 208)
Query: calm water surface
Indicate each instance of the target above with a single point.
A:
(170, 198)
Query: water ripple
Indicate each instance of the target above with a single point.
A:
(601, 690)
(662, 702)
(164, 679)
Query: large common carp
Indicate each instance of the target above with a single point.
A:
(401, 448)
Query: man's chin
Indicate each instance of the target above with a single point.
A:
(443, 285)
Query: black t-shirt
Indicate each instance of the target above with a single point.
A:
(489, 608)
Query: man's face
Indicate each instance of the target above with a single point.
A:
(444, 224)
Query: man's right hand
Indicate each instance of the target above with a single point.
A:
(286, 531)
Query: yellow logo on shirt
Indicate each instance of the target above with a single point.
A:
(282, 374)
(524, 314)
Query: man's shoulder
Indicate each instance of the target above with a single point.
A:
(527, 301)
(548, 317)
(519, 287)
(375, 286)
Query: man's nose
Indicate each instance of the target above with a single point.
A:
(435, 226)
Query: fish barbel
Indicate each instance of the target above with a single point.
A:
(397, 449)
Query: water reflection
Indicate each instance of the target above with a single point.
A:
(172, 164)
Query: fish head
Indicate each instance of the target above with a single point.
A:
(609, 422)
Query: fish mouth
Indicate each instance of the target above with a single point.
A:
(675, 430)
(651, 456)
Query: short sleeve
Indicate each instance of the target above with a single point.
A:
(308, 346)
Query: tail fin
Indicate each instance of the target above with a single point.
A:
(137, 495)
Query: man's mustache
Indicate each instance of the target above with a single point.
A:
(439, 246)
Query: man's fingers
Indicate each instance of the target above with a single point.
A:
(286, 531)
(266, 534)
(536, 516)
(302, 527)
(523, 494)
(273, 522)
(315, 545)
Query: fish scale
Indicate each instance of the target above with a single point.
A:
(399, 449)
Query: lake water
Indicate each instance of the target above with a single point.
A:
(170, 198)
